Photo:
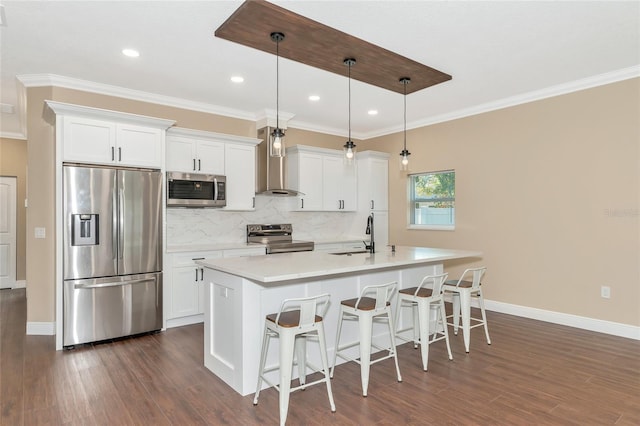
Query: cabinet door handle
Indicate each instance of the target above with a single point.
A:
(113, 154)
(119, 154)
(302, 205)
(201, 274)
(196, 274)
(254, 202)
(371, 204)
(199, 168)
(194, 164)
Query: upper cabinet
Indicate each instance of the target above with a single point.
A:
(92, 135)
(192, 155)
(326, 183)
(373, 180)
(197, 151)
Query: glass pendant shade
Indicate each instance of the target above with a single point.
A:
(404, 160)
(349, 150)
(276, 145)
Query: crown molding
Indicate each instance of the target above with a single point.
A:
(41, 80)
(549, 92)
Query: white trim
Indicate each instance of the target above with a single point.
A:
(549, 92)
(21, 284)
(13, 135)
(431, 227)
(204, 134)
(179, 322)
(60, 109)
(585, 323)
(43, 80)
(41, 328)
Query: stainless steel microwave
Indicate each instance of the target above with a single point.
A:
(196, 190)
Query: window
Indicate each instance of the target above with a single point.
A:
(432, 199)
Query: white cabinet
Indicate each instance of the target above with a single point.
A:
(90, 140)
(198, 151)
(320, 174)
(190, 155)
(373, 193)
(185, 301)
(373, 180)
(241, 176)
(184, 283)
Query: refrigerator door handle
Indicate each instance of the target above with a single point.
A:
(121, 222)
(90, 286)
(114, 227)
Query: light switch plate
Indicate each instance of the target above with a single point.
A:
(39, 233)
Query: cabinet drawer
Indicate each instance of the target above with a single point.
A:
(188, 259)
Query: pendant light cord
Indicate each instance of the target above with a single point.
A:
(277, 83)
(350, 101)
(405, 114)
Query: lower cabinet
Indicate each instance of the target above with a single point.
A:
(184, 291)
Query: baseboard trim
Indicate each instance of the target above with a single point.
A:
(592, 324)
(179, 322)
(41, 328)
(21, 284)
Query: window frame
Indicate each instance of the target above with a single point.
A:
(411, 203)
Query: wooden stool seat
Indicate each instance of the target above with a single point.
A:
(289, 318)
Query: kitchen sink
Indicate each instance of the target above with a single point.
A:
(349, 253)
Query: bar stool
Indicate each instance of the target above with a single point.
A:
(422, 301)
(297, 319)
(461, 291)
(365, 310)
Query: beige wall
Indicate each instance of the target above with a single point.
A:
(548, 191)
(13, 162)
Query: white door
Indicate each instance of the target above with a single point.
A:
(7, 232)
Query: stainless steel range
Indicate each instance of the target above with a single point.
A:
(278, 238)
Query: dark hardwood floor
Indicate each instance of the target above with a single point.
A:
(533, 373)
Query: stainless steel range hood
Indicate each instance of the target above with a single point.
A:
(271, 171)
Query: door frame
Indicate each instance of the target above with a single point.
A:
(12, 182)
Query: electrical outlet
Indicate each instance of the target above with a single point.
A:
(605, 292)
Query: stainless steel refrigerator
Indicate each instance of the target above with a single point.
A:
(112, 253)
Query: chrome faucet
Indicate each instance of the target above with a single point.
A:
(372, 245)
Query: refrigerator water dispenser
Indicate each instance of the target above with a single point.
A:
(85, 229)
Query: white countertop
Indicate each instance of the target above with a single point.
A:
(295, 266)
(210, 247)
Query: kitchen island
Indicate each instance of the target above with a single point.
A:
(240, 292)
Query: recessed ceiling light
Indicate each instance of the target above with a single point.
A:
(372, 112)
(314, 98)
(237, 79)
(132, 53)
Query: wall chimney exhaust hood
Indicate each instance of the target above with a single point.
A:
(271, 171)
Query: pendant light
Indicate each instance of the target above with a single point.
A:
(404, 154)
(349, 146)
(276, 145)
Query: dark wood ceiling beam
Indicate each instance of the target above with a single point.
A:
(317, 45)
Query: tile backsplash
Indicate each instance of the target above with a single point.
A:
(213, 226)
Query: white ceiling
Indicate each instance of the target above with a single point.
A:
(499, 54)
